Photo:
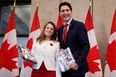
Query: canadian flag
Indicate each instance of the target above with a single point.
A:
(110, 67)
(93, 57)
(34, 33)
(59, 22)
(9, 51)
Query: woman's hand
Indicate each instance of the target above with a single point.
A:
(22, 54)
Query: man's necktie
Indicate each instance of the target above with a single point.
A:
(65, 32)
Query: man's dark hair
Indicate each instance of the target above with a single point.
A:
(65, 3)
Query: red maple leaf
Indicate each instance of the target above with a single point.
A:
(6, 56)
(17, 76)
(27, 64)
(92, 56)
(111, 55)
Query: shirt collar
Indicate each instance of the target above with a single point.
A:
(68, 22)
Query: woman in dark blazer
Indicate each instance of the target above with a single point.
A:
(76, 40)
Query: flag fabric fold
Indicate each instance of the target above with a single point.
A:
(93, 57)
(110, 66)
(34, 33)
(9, 51)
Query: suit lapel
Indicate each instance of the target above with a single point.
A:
(68, 34)
(70, 28)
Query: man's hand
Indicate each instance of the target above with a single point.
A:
(74, 66)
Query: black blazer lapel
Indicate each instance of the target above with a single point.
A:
(70, 27)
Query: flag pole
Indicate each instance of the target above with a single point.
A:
(37, 3)
(91, 7)
(14, 3)
(90, 3)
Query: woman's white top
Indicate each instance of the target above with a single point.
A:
(46, 52)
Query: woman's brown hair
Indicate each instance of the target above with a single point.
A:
(42, 36)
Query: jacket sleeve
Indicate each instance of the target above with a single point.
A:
(33, 47)
(58, 71)
(84, 44)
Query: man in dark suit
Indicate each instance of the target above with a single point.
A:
(75, 37)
